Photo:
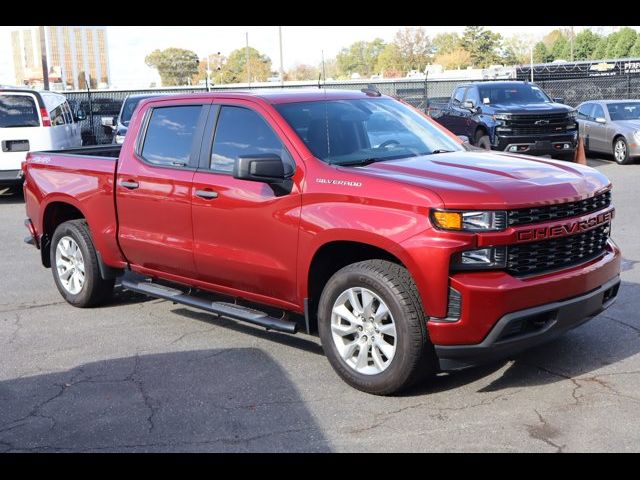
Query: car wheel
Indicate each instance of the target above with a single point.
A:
(482, 140)
(621, 151)
(373, 328)
(74, 263)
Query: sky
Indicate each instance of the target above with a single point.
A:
(128, 45)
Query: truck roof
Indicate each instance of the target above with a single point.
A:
(279, 95)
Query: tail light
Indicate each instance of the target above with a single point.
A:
(46, 121)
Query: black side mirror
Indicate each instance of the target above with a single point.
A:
(266, 168)
(558, 100)
(80, 115)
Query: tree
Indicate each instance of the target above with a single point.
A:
(302, 72)
(236, 69)
(176, 66)
(215, 64)
(390, 62)
(414, 49)
(600, 51)
(612, 41)
(360, 57)
(585, 44)
(561, 49)
(626, 39)
(515, 50)
(457, 59)
(482, 44)
(444, 43)
(541, 54)
(635, 50)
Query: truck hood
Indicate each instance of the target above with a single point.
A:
(529, 108)
(490, 180)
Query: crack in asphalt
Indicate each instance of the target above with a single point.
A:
(195, 332)
(22, 307)
(545, 432)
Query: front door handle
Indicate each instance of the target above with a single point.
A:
(130, 184)
(206, 194)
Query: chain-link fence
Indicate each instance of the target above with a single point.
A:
(417, 92)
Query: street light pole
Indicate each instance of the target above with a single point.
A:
(43, 53)
(281, 64)
(248, 62)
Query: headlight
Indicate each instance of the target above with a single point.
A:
(572, 115)
(482, 258)
(119, 139)
(487, 221)
(502, 116)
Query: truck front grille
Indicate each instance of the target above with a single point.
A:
(536, 124)
(548, 255)
(523, 216)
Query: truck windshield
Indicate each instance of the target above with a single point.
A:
(516, 93)
(351, 132)
(624, 111)
(18, 111)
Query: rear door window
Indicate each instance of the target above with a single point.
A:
(598, 112)
(170, 136)
(18, 111)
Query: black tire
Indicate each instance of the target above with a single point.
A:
(95, 289)
(482, 140)
(414, 358)
(567, 157)
(625, 159)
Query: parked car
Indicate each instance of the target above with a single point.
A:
(120, 125)
(612, 127)
(512, 116)
(343, 211)
(32, 120)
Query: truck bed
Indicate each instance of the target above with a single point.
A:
(100, 151)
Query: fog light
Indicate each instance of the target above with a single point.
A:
(482, 258)
(567, 146)
(513, 148)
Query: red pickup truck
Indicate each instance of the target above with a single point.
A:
(348, 213)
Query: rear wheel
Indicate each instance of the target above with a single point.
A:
(482, 140)
(373, 328)
(621, 151)
(74, 263)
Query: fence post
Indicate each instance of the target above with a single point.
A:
(628, 85)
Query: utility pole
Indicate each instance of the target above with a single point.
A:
(43, 52)
(531, 52)
(281, 64)
(572, 43)
(248, 63)
(208, 79)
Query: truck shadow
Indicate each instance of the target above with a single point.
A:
(229, 400)
(10, 197)
(609, 338)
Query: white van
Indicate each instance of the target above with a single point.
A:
(30, 121)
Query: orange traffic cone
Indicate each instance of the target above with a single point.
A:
(580, 157)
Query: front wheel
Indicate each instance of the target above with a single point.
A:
(74, 263)
(621, 151)
(482, 140)
(373, 328)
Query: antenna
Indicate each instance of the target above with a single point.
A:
(324, 73)
(319, 77)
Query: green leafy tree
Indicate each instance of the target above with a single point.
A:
(600, 52)
(626, 39)
(561, 49)
(444, 43)
(176, 66)
(390, 62)
(456, 59)
(414, 48)
(216, 63)
(360, 57)
(541, 53)
(585, 44)
(612, 41)
(482, 45)
(515, 50)
(635, 50)
(237, 70)
(551, 38)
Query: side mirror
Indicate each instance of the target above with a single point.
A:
(469, 104)
(601, 120)
(266, 168)
(80, 115)
(558, 100)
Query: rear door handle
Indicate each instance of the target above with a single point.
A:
(130, 184)
(206, 194)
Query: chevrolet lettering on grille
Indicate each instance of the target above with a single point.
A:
(571, 228)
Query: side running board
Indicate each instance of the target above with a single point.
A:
(222, 309)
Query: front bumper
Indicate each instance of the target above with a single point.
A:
(526, 328)
(551, 144)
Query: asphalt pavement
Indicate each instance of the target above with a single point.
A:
(145, 375)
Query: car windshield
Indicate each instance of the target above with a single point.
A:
(516, 93)
(351, 132)
(624, 111)
(18, 111)
(130, 105)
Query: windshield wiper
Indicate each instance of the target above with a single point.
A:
(358, 163)
(441, 151)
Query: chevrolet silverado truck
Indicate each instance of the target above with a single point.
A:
(346, 213)
(510, 116)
